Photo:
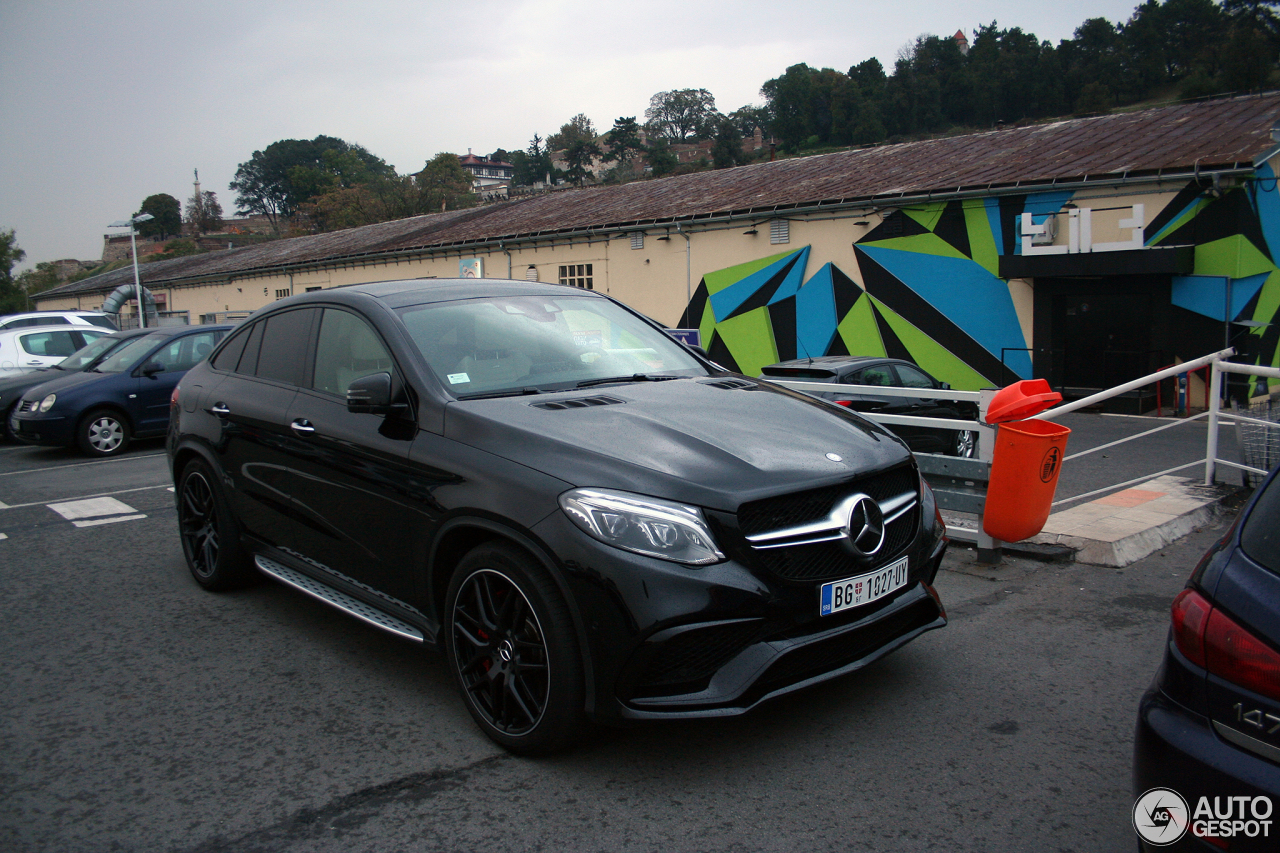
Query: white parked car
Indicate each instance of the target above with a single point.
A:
(57, 318)
(32, 347)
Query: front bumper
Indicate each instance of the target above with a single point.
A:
(667, 641)
(42, 429)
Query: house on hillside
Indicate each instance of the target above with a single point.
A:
(490, 178)
(1088, 252)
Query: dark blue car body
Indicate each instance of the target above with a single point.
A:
(125, 396)
(1209, 726)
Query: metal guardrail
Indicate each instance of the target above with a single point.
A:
(960, 484)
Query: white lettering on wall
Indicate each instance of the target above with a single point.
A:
(1080, 233)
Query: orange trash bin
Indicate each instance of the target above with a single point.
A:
(1025, 464)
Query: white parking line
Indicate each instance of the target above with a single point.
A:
(91, 508)
(80, 465)
(86, 497)
(97, 521)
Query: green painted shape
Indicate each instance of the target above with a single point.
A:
(707, 326)
(858, 330)
(945, 365)
(750, 338)
(925, 244)
(720, 279)
(982, 243)
(1234, 257)
(1265, 309)
(1187, 215)
(928, 216)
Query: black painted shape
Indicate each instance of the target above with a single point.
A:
(896, 224)
(920, 313)
(1011, 207)
(893, 345)
(1185, 196)
(720, 354)
(761, 297)
(846, 291)
(782, 316)
(1226, 217)
(692, 317)
(953, 228)
(838, 346)
(1161, 260)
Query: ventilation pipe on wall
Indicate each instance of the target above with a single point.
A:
(122, 294)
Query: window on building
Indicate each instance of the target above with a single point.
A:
(281, 294)
(779, 231)
(531, 274)
(313, 289)
(578, 275)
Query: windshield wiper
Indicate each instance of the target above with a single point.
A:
(484, 395)
(635, 377)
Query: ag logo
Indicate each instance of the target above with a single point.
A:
(1160, 816)
(1049, 464)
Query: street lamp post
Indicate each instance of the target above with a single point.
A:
(133, 246)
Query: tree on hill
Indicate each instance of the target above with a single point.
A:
(577, 129)
(166, 215)
(682, 115)
(204, 213)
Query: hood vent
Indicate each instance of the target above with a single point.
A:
(577, 403)
(729, 384)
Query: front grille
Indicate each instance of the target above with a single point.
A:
(822, 554)
(27, 405)
(799, 507)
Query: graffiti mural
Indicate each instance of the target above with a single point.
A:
(927, 288)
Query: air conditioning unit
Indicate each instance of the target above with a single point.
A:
(1050, 232)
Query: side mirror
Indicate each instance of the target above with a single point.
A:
(373, 394)
(151, 368)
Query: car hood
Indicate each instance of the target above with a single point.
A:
(64, 383)
(690, 440)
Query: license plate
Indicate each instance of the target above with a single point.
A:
(863, 589)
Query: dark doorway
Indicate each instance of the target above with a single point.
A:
(1096, 333)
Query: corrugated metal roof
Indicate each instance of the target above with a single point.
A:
(1199, 136)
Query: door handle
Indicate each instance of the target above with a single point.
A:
(220, 409)
(302, 426)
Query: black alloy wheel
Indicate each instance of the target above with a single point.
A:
(103, 432)
(512, 651)
(210, 540)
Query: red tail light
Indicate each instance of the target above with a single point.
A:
(173, 398)
(1212, 640)
(845, 403)
(1240, 657)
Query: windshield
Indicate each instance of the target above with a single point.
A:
(488, 346)
(128, 356)
(88, 354)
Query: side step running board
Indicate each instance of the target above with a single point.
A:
(347, 604)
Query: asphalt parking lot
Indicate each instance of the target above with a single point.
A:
(141, 713)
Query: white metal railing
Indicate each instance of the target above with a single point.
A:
(966, 472)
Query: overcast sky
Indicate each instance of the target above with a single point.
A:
(106, 103)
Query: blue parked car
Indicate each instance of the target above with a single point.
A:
(125, 396)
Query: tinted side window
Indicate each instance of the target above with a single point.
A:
(229, 356)
(284, 343)
(876, 376)
(347, 349)
(249, 361)
(913, 378)
(1260, 538)
(185, 352)
(104, 322)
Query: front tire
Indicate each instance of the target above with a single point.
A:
(511, 648)
(103, 432)
(210, 536)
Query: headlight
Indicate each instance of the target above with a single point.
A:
(649, 526)
(47, 403)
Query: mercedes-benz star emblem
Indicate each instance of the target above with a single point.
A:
(865, 529)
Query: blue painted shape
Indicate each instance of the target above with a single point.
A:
(816, 319)
(728, 300)
(1156, 238)
(791, 284)
(993, 218)
(1268, 201)
(968, 295)
(1040, 205)
(1207, 294)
